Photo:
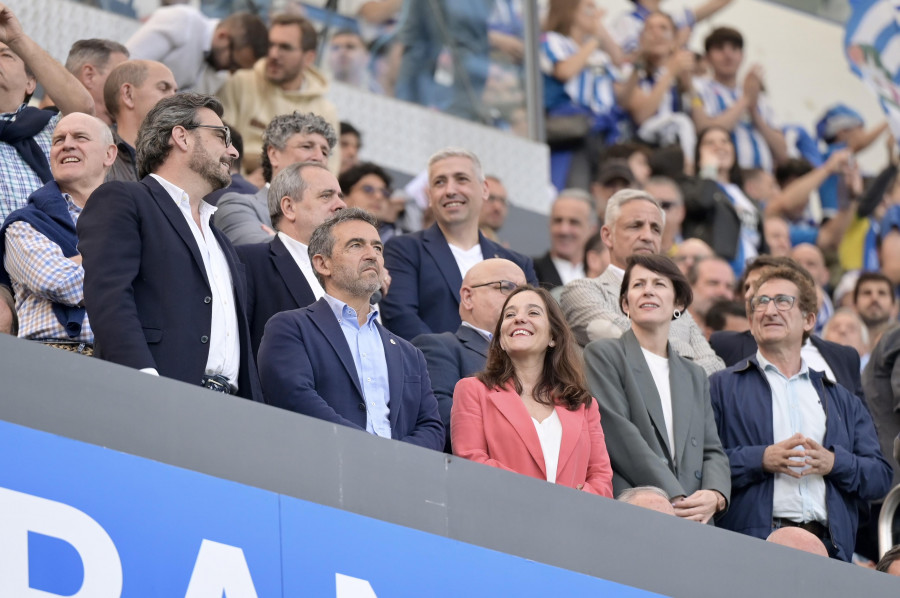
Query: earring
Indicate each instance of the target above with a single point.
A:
(552, 343)
(676, 314)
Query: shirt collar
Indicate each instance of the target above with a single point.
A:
(619, 272)
(484, 333)
(768, 366)
(181, 199)
(342, 311)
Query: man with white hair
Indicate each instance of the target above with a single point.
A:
(572, 221)
(634, 224)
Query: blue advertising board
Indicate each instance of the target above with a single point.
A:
(80, 520)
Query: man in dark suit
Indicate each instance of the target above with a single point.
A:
(839, 362)
(572, 222)
(164, 289)
(280, 275)
(452, 356)
(334, 361)
(427, 267)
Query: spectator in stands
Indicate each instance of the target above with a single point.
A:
(348, 61)
(284, 82)
(280, 275)
(38, 244)
(718, 212)
(9, 323)
(199, 51)
(351, 141)
(890, 562)
(288, 138)
(664, 436)
(812, 258)
(759, 185)
(668, 194)
(162, 286)
(782, 473)
(238, 183)
(334, 361)
(613, 176)
(846, 328)
(452, 356)
(875, 302)
(727, 315)
(648, 497)
(711, 280)
(25, 131)
(427, 267)
(596, 256)
(628, 26)
(664, 70)
(131, 90)
(840, 364)
(689, 252)
(90, 61)
(740, 109)
(799, 539)
(533, 379)
(638, 157)
(634, 224)
(494, 210)
(572, 220)
(368, 186)
(777, 236)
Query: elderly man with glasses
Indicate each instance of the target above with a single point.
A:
(803, 449)
(162, 285)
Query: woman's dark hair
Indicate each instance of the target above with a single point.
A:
(562, 381)
(664, 266)
(561, 15)
(734, 174)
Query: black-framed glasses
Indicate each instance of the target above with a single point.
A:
(226, 137)
(504, 286)
(782, 302)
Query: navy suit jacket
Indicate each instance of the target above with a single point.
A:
(546, 271)
(274, 283)
(145, 286)
(425, 281)
(307, 367)
(734, 347)
(450, 358)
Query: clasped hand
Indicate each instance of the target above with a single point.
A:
(798, 453)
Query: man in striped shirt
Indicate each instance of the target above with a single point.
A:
(38, 243)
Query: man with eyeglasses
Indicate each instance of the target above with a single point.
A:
(803, 450)
(162, 285)
(452, 356)
(368, 186)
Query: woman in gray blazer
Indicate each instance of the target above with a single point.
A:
(654, 403)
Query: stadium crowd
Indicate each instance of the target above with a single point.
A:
(712, 333)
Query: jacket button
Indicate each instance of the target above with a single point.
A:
(694, 441)
(204, 339)
(361, 407)
(207, 300)
(698, 475)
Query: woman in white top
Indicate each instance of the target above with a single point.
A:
(529, 411)
(655, 403)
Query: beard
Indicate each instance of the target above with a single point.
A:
(209, 168)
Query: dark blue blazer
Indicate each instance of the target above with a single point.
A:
(425, 281)
(145, 286)
(274, 283)
(306, 366)
(546, 271)
(450, 358)
(734, 347)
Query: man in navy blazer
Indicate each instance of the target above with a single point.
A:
(280, 275)
(427, 267)
(164, 289)
(334, 361)
(453, 356)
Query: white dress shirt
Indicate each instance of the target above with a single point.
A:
(567, 270)
(549, 434)
(300, 253)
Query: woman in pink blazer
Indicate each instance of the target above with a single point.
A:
(529, 411)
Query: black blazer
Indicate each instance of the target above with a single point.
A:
(274, 283)
(145, 286)
(547, 275)
(733, 347)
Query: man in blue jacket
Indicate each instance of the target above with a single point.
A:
(803, 450)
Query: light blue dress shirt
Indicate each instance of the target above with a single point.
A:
(371, 365)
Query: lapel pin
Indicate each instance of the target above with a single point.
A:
(393, 342)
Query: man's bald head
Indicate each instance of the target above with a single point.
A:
(648, 497)
(481, 297)
(800, 539)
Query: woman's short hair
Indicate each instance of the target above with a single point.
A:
(562, 381)
(664, 266)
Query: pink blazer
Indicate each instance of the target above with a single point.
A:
(494, 427)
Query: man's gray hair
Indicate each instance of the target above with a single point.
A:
(661, 181)
(289, 182)
(864, 330)
(154, 140)
(92, 51)
(580, 195)
(284, 126)
(322, 240)
(458, 152)
(629, 495)
(620, 198)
